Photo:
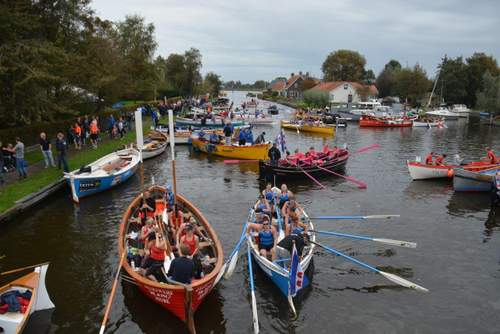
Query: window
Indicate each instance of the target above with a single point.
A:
(346, 86)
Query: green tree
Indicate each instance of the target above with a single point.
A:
(393, 65)
(192, 75)
(386, 80)
(344, 65)
(369, 77)
(174, 72)
(454, 80)
(212, 84)
(488, 99)
(412, 84)
(314, 99)
(477, 65)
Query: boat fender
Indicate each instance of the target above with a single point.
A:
(450, 172)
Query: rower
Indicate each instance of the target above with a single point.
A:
(267, 237)
(262, 205)
(284, 195)
(296, 227)
(491, 156)
(429, 159)
(182, 268)
(312, 152)
(214, 138)
(169, 195)
(440, 160)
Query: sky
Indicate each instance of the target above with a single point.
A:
(260, 40)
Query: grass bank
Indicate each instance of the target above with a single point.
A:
(38, 180)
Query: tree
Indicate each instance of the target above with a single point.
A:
(386, 80)
(212, 84)
(307, 83)
(412, 84)
(315, 99)
(488, 99)
(344, 65)
(477, 65)
(454, 80)
(369, 77)
(192, 75)
(175, 72)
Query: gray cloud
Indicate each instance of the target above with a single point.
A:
(247, 41)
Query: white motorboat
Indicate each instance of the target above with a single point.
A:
(461, 110)
(443, 112)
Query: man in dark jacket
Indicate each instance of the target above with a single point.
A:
(228, 132)
(62, 152)
(274, 154)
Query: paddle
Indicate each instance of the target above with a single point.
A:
(357, 217)
(311, 177)
(360, 184)
(391, 277)
(113, 290)
(21, 269)
(255, 316)
(233, 258)
(367, 148)
(235, 162)
(391, 242)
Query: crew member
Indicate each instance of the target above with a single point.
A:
(440, 160)
(429, 159)
(491, 156)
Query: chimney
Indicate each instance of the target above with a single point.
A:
(291, 75)
(300, 73)
(307, 74)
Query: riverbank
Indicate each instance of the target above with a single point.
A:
(282, 101)
(42, 179)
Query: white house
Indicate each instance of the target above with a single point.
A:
(346, 91)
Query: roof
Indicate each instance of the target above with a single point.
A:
(292, 80)
(278, 85)
(331, 85)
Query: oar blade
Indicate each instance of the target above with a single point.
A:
(399, 243)
(255, 319)
(403, 282)
(381, 216)
(367, 148)
(232, 266)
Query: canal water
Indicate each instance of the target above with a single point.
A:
(457, 257)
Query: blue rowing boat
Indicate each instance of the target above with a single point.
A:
(472, 181)
(278, 270)
(103, 174)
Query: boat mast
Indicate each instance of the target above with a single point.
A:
(172, 150)
(140, 141)
(434, 87)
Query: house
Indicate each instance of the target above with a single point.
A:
(291, 87)
(346, 91)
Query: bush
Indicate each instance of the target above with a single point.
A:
(316, 99)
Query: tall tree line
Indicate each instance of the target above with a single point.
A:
(59, 59)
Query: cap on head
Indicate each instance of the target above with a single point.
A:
(168, 187)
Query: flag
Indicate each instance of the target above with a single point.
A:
(296, 277)
(281, 141)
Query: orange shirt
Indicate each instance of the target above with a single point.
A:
(428, 160)
(492, 157)
(93, 128)
(78, 129)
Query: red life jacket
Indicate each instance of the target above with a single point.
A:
(157, 253)
(428, 160)
(190, 243)
(492, 157)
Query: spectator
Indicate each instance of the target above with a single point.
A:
(46, 148)
(19, 154)
(2, 181)
(77, 136)
(121, 127)
(94, 133)
(62, 152)
(260, 139)
(111, 125)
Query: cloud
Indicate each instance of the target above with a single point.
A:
(248, 41)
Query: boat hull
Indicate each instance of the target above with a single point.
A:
(209, 124)
(420, 171)
(468, 181)
(172, 297)
(254, 152)
(373, 123)
(324, 129)
(270, 172)
(148, 154)
(348, 116)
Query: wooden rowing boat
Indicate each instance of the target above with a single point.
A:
(282, 172)
(384, 122)
(14, 322)
(214, 123)
(474, 181)
(313, 128)
(180, 300)
(154, 145)
(278, 271)
(246, 152)
(103, 174)
(421, 171)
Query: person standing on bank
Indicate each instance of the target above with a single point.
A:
(62, 152)
(18, 151)
(46, 148)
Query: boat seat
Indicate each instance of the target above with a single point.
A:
(212, 260)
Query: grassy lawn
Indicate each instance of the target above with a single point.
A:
(36, 181)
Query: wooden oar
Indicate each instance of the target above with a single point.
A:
(357, 217)
(394, 278)
(311, 177)
(233, 258)
(21, 269)
(367, 148)
(235, 162)
(360, 184)
(113, 290)
(391, 242)
(255, 316)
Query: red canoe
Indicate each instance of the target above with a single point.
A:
(384, 122)
(177, 298)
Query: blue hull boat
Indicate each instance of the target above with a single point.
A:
(469, 181)
(218, 123)
(278, 270)
(103, 174)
